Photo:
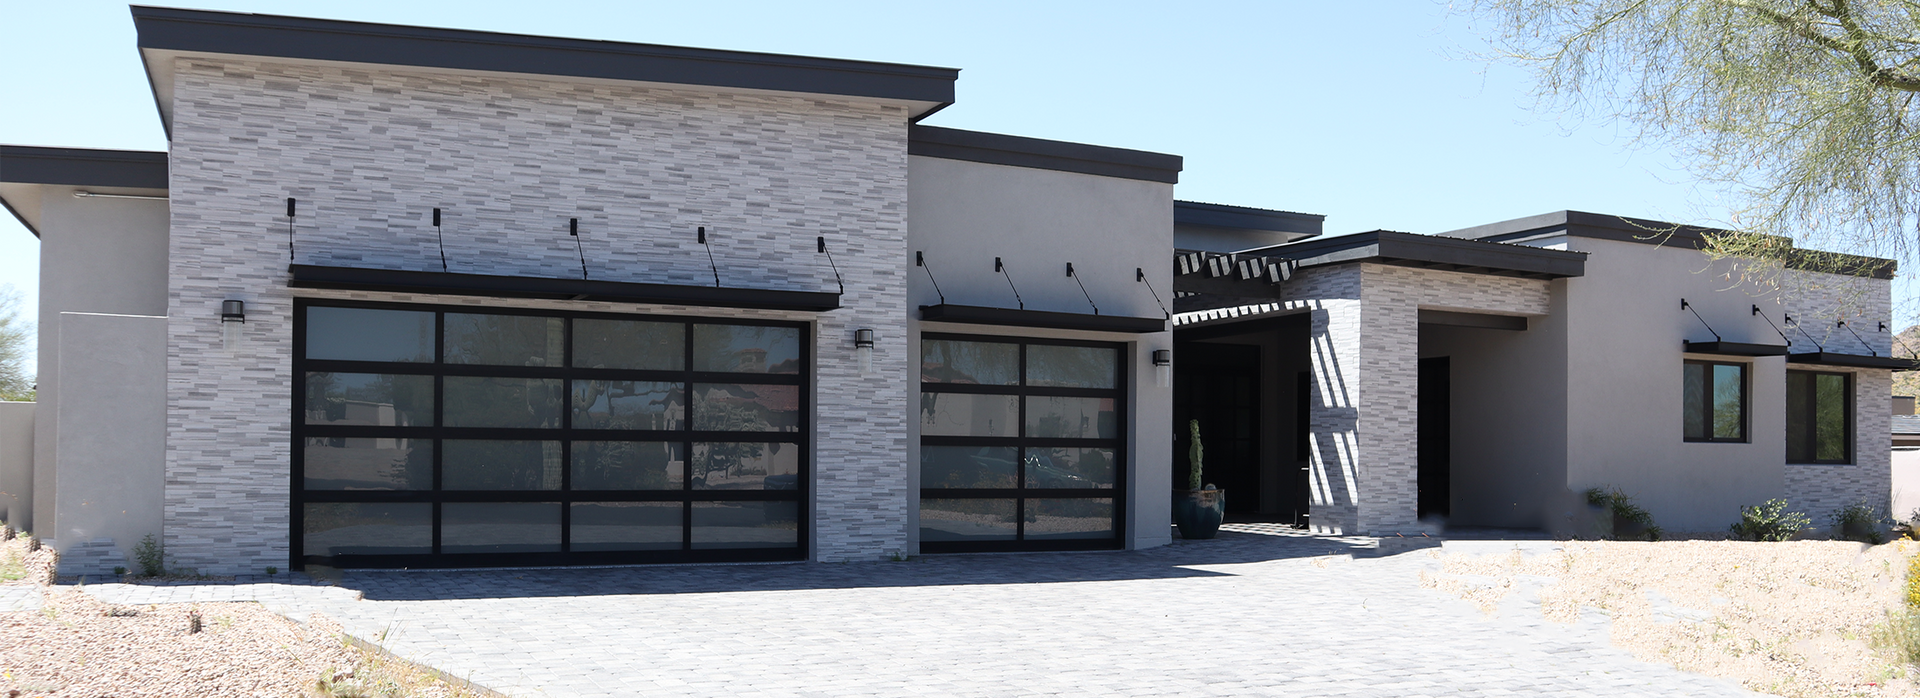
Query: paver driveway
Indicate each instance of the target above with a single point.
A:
(1252, 613)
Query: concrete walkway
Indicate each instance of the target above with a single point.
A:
(1260, 611)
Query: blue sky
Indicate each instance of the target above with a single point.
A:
(1371, 113)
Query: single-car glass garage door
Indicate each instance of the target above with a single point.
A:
(1021, 444)
(444, 436)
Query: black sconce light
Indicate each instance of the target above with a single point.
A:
(1163, 367)
(233, 316)
(863, 349)
(233, 311)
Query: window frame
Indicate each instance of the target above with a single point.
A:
(1813, 407)
(685, 437)
(1707, 403)
(1020, 493)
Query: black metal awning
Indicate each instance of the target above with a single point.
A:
(1733, 348)
(1826, 358)
(356, 279)
(1009, 317)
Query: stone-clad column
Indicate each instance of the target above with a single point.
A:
(1364, 351)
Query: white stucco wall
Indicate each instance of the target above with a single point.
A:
(963, 214)
(97, 255)
(370, 152)
(16, 464)
(112, 436)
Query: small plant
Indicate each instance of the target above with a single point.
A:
(1769, 522)
(1194, 453)
(193, 621)
(1639, 521)
(152, 559)
(119, 571)
(33, 544)
(1860, 522)
(273, 571)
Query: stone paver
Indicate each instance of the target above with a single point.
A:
(1260, 611)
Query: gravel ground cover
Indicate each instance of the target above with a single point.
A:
(1794, 618)
(74, 645)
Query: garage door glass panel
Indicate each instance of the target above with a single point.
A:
(983, 467)
(968, 520)
(369, 399)
(969, 363)
(629, 344)
(1050, 417)
(510, 403)
(631, 405)
(628, 465)
(504, 340)
(356, 528)
(1069, 518)
(1072, 366)
(746, 525)
(966, 414)
(746, 349)
(500, 527)
(745, 466)
(1070, 468)
(363, 463)
(740, 407)
(500, 465)
(368, 334)
(614, 526)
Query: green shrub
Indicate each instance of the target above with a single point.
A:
(1769, 522)
(152, 559)
(1621, 506)
(1860, 522)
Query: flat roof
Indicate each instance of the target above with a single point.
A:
(1601, 226)
(1020, 151)
(1431, 252)
(26, 168)
(166, 32)
(1199, 213)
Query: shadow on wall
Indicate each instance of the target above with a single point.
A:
(1165, 562)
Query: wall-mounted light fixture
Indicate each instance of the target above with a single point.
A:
(863, 349)
(233, 316)
(1163, 367)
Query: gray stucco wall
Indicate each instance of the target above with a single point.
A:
(1624, 399)
(370, 153)
(16, 463)
(112, 435)
(964, 214)
(97, 255)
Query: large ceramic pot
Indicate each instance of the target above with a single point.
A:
(1198, 512)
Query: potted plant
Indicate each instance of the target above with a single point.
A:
(1198, 510)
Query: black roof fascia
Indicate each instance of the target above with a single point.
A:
(1009, 317)
(1019, 151)
(1824, 358)
(1651, 232)
(1733, 348)
(1245, 218)
(277, 36)
(357, 279)
(1432, 252)
(1448, 318)
(83, 167)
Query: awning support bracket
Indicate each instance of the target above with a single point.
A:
(1140, 275)
(1703, 321)
(1083, 288)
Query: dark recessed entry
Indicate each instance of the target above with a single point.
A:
(1454, 319)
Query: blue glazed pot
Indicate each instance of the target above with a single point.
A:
(1198, 512)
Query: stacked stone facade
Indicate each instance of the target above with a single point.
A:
(1818, 302)
(369, 154)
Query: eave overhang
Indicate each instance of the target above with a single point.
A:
(491, 286)
(1010, 317)
(1733, 348)
(1432, 252)
(168, 33)
(24, 169)
(1823, 358)
(1041, 154)
(1597, 226)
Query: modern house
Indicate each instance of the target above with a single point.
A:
(400, 296)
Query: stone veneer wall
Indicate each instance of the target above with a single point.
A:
(1364, 351)
(1818, 302)
(370, 152)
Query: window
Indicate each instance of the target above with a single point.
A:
(1819, 417)
(1021, 444)
(1716, 401)
(462, 436)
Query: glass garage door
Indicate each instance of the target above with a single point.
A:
(437, 436)
(1021, 444)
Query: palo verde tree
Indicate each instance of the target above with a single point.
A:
(1803, 110)
(16, 335)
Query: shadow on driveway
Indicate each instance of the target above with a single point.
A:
(1237, 544)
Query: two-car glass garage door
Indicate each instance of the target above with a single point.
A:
(447, 436)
